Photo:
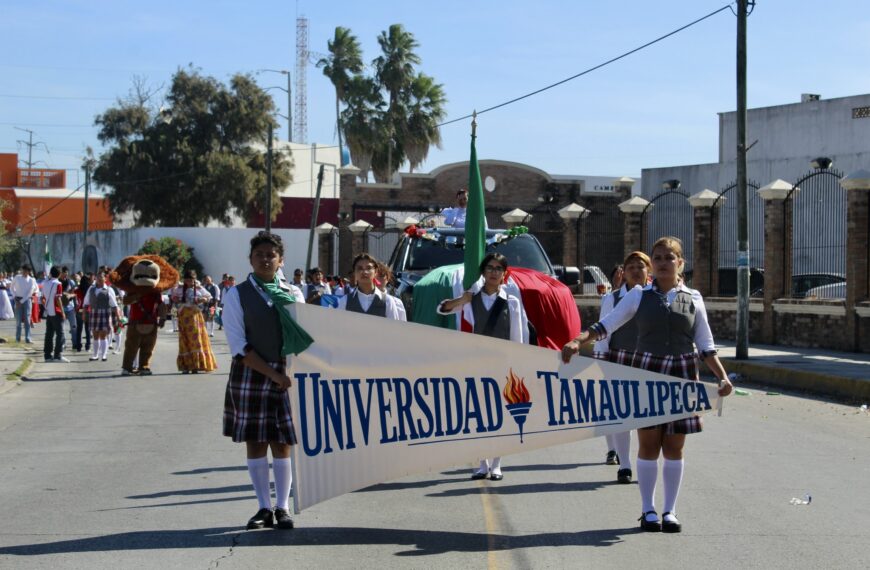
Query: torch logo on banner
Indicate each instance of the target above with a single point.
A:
(518, 400)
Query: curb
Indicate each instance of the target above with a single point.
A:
(20, 372)
(812, 382)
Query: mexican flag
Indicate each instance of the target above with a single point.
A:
(475, 222)
(48, 262)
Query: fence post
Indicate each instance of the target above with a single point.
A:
(705, 250)
(572, 253)
(777, 251)
(632, 209)
(857, 186)
(325, 235)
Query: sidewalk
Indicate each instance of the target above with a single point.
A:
(12, 357)
(822, 372)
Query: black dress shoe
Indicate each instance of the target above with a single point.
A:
(263, 518)
(479, 475)
(282, 519)
(671, 526)
(496, 477)
(623, 476)
(650, 526)
(612, 458)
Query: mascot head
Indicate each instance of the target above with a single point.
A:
(144, 274)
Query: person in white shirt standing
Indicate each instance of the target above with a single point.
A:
(455, 217)
(52, 292)
(23, 288)
(368, 299)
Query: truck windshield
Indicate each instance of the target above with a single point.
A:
(522, 251)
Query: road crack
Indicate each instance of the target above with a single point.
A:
(217, 561)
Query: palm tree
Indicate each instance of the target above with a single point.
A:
(345, 59)
(394, 71)
(425, 109)
(363, 121)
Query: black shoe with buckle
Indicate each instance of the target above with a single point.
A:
(623, 476)
(672, 525)
(612, 458)
(282, 519)
(650, 525)
(263, 518)
(479, 475)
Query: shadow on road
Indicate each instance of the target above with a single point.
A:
(202, 470)
(422, 542)
(538, 467)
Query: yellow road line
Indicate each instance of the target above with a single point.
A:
(489, 519)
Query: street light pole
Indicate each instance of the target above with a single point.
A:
(269, 182)
(742, 348)
(289, 91)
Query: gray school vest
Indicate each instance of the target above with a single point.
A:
(99, 298)
(262, 324)
(663, 330)
(502, 327)
(378, 307)
(624, 338)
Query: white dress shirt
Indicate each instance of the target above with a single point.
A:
(627, 307)
(23, 286)
(113, 300)
(454, 217)
(602, 346)
(395, 309)
(233, 317)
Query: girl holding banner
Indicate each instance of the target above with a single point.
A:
(368, 299)
(260, 334)
(671, 322)
(493, 312)
(619, 348)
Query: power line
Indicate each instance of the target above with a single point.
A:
(591, 69)
(54, 97)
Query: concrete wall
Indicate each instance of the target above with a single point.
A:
(220, 250)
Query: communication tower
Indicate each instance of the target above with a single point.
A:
(300, 118)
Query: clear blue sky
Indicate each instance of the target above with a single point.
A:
(655, 108)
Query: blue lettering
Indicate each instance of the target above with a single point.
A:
(585, 401)
(565, 406)
(420, 399)
(551, 408)
(303, 414)
(492, 399)
(436, 393)
(472, 407)
(331, 416)
(606, 401)
(621, 399)
(635, 396)
(703, 400)
(403, 408)
(365, 414)
(688, 401)
(661, 396)
(348, 422)
(675, 397)
(451, 385)
(385, 408)
(650, 387)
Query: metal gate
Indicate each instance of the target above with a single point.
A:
(818, 253)
(725, 210)
(604, 238)
(669, 214)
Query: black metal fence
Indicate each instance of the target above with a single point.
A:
(725, 211)
(603, 238)
(818, 254)
(669, 214)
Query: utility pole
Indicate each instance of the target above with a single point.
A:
(289, 109)
(30, 144)
(314, 219)
(269, 182)
(87, 192)
(742, 195)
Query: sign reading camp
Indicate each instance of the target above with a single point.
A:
(387, 399)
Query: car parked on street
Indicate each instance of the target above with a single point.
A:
(418, 253)
(802, 283)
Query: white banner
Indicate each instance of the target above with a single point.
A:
(375, 400)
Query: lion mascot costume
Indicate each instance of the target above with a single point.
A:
(143, 278)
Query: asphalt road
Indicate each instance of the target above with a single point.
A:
(101, 471)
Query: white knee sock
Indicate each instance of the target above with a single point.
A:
(209, 327)
(283, 479)
(495, 466)
(647, 473)
(95, 348)
(672, 474)
(258, 469)
(104, 348)
(622, 441)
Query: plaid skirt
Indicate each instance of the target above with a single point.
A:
(621, 356)
(683, 366)
(255, 409)
(102, 320)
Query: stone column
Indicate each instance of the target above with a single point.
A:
(777, 251)
(574, 232)
(857, 186)
(347, 183)
(358, 229)
(632, 210)
(705, 256)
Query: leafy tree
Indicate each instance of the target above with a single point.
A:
(198, 158)
(393, 115)
(345, 59)
(173, 250)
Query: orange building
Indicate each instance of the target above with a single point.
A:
(38, 201)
